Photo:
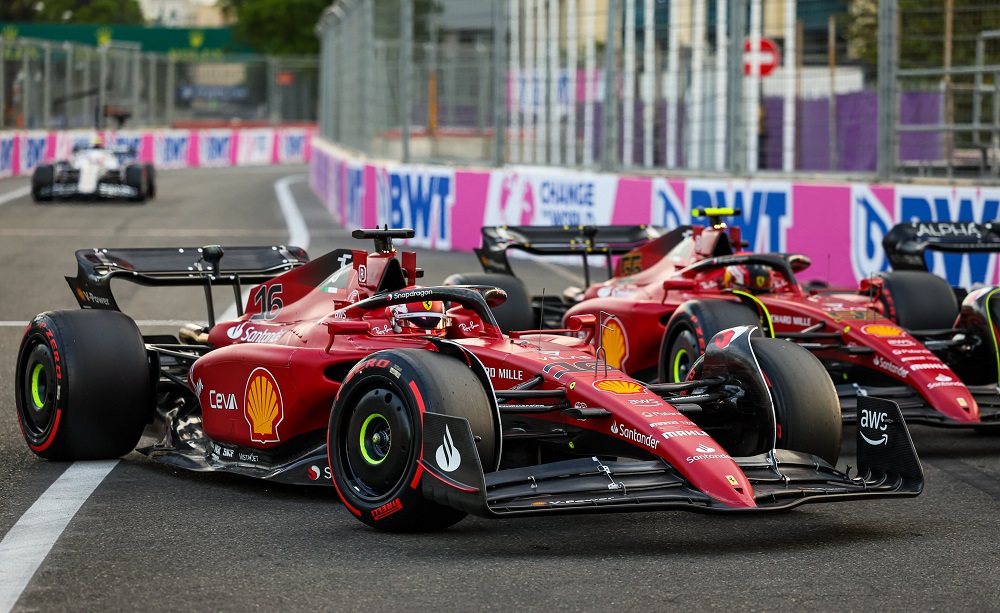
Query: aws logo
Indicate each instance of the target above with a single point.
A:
(766, 208)
(874, 214)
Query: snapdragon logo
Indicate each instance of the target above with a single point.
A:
(635, 437)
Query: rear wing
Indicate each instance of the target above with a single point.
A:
(177, 267)
(906, 243)
(580, 241)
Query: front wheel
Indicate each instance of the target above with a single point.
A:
(806, 407)
(376, 435)
(83, 388)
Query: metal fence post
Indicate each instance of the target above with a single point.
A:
(68, 86)
(84, 104)
(171, 76)
(405, 62)
(151, 89)
(25, 88)
(367, 83)
(609, 119)
(499, 81)
(102, 88)
(3, 81)
(734, 87)
(886, 88)
(136, 72)
(47, 86)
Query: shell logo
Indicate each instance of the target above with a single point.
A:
(617, 386)
(79, 292)
(614, 343)
(883, 330)
(263, 407)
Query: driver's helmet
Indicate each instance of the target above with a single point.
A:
(426, 317)
(97, 142)
(754, 278)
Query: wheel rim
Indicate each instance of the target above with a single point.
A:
(377, 444)
(37, 391)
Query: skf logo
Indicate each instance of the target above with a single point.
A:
(617, 386)
(264, 409)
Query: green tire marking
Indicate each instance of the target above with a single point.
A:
(35, 376)
(677, 363)
(364, 429)
(767, 315)
(993, 332)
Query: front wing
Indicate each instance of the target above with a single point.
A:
(887, 467)
(915, 408)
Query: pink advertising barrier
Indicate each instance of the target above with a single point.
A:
(838, 226)
(22, 151)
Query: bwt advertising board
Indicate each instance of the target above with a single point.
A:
(838, 226)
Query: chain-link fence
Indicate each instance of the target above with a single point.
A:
(729, 86)
(50, 85)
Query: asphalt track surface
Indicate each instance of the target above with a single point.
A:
(154, 538)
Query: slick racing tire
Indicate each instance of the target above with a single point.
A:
(516, 312)
(806, 406)
(150, 181)
(376, 435)
(918, 300)
(689, 330)
(83, 385)
(135, 177)
(43, 176)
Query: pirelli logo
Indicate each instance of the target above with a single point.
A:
(387, 509)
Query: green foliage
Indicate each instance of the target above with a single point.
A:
(277, 27)
(112, 12)
(921, 31)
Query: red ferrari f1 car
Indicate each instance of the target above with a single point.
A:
(901, 335)
(344, 372)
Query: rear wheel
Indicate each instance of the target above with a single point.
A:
(516, 312)
(150, 180)
(42, 177)
(691, 327)
(806, 406)
(376, 435)
(918, 300)
(82, 385)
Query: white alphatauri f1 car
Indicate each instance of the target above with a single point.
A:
(95, 172)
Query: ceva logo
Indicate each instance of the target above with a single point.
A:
(420, 199)
(871, 219)
(766, 208)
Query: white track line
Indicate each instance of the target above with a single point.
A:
(14, 194)
(24, 548)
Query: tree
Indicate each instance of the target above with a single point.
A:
(112, 12)
(277, 27)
